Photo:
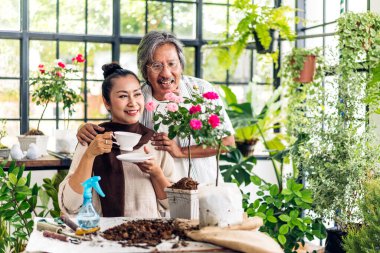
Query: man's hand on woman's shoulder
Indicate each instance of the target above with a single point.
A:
(87, 132)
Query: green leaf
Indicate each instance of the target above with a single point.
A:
(286, 191)
(272, 219)
(284, 229)
(256, 180)
(12, 178)
(21, 181)
(260, 214)
(281, 239)
(284, 217)
(273, 190)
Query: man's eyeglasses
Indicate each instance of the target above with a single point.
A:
(157, 67)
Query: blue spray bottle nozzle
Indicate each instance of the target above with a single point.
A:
(92, 182)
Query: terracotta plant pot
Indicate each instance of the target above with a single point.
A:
(307, 73)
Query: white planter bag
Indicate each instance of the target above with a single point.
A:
(220, 206)
(183, 203)
(65, 141)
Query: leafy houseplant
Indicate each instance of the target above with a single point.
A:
(302, 64)
(366, 237)
(50, 85)
(282, 213)
(18, 201)
(258, 23)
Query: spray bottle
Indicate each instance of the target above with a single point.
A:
(87, 216)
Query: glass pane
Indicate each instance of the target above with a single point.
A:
(190, 61)
(42, 15)
(216, 1)
(313, 42)
(234, 19)
(73, 125)
(331, 50)
(35, 111)
(260, 95)
(98, 54)
(128, 57)
(41, 52)
(214, 21)
(95, 106)
(211, 69)
(132, 17)
(72, 16)
(185, 20)
(10, 15)
(10, 99)
(332, 10)
(13, 130)
(159, 16)
(99, 17)
(264, 2)
(331, 28)
(46, 126)
(243, 69)
(10, 58)
(357, 6)
(240, 91)
(78, 86)
(70, 49)
(263, 68)
(314, 12)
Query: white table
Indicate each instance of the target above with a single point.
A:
(38, 243)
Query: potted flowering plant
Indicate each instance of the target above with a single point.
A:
(50, 85)
(198, 117)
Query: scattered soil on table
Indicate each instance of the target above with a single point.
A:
(145, 233)
(185, 183)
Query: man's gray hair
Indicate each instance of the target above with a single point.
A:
(150, 42)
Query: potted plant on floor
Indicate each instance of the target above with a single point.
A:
(4, 150)
(50, 86)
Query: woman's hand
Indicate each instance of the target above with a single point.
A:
(161, 141)
(100, 145)
(87, 133)
(150, 166)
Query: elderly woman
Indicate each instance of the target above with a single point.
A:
(133, 190)
(161, 61)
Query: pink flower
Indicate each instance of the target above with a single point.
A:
(150, 106)
(214, 120)
(170, 96)
(59, 74)
(61, 65)
(79, 58)
(210, 95)
(194, 109)
(41, 67)
(173, 97)
(195, 124)
(172, 107)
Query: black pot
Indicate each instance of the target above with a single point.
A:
(259, 47)
(334, 240)
(245, 148)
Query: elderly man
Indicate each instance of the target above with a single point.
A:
(161, 62)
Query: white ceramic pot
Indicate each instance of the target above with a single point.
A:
(40, 140)
(4, 153)
(183, 203)
(220, 206)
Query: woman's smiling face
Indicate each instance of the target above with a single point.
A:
(126, 100)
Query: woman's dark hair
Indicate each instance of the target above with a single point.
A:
(111, 71)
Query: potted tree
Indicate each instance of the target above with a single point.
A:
(4, 150)
(50, 85)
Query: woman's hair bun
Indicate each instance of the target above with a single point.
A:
(110, 68)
